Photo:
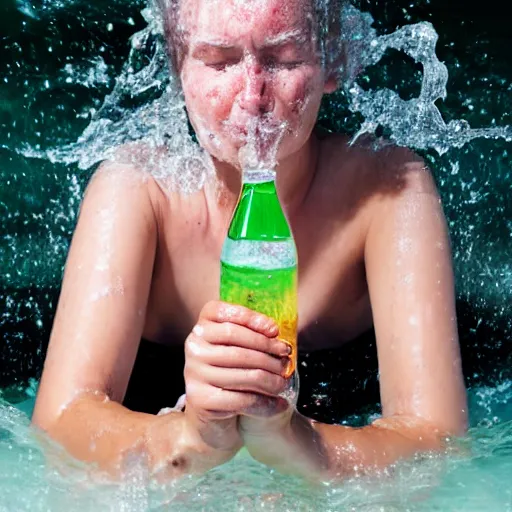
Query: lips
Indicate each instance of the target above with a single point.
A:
(259, 129)
(238, 131)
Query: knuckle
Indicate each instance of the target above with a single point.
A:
(195, 371)
(231, 313)
(199, 329)
(258, 376)
(189, 373)
(192, 347)
(229, 332)
(188, 350)
(193, 390)
(259, 321)
(210, 309)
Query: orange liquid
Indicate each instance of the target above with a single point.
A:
(271, 292)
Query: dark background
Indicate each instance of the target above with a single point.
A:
(39, 200)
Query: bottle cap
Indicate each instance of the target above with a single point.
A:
(258, 175)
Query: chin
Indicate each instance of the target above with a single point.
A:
(227, 154)
(226, 149)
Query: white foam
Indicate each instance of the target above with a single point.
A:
(259, 254)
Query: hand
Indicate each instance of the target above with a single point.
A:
(234, 365)
(265, 437)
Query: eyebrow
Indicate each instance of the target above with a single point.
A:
(292, 36)
(215, 43)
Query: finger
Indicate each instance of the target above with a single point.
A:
(233, 379)
(220, 403)
(217, 311)
(266, 406)
(233, 357)
(228, 333)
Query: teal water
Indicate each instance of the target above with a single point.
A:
(477, 481)
(61, 58)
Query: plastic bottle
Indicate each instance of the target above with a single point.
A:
(259, 259)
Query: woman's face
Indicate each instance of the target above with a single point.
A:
(252, 78)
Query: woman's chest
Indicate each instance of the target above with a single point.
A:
(332, 291)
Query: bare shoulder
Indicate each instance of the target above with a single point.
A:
(370, 171)
(126, 177)
(399, 170)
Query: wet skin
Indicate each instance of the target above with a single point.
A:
(373, 250)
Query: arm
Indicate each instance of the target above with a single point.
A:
(410, 279)
(96, 335)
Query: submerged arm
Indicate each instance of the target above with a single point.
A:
(410, 279)
(96, 334)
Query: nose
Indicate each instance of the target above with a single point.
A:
(255, 96)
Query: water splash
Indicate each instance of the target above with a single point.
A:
(40, 9)
(417, 122)
(155, 114)
(26, 8)
(155, 118)
(91, 74)
(456, 482)
(261, 144)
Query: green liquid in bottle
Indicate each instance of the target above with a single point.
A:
(259, 258)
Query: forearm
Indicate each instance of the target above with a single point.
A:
(97, 430)
(352, 451)
(320, 451)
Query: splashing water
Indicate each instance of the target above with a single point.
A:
(472, 482)
(160, 122)
(416, 123)
(261, 144)
(139, 100)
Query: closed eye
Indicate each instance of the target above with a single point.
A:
(218, 57)
(272, 61)
(221, 65)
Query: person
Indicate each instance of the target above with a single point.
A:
(373, 250)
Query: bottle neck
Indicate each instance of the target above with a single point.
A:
(258, 215)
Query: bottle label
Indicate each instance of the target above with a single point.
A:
(258, 254)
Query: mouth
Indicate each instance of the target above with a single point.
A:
(238, 132)
(256, 130)
(256, 139)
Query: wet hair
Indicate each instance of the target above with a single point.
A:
(327, 18)
(174, 32)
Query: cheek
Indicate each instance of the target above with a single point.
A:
(218, 100)
(210, 96)
(297, 90)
